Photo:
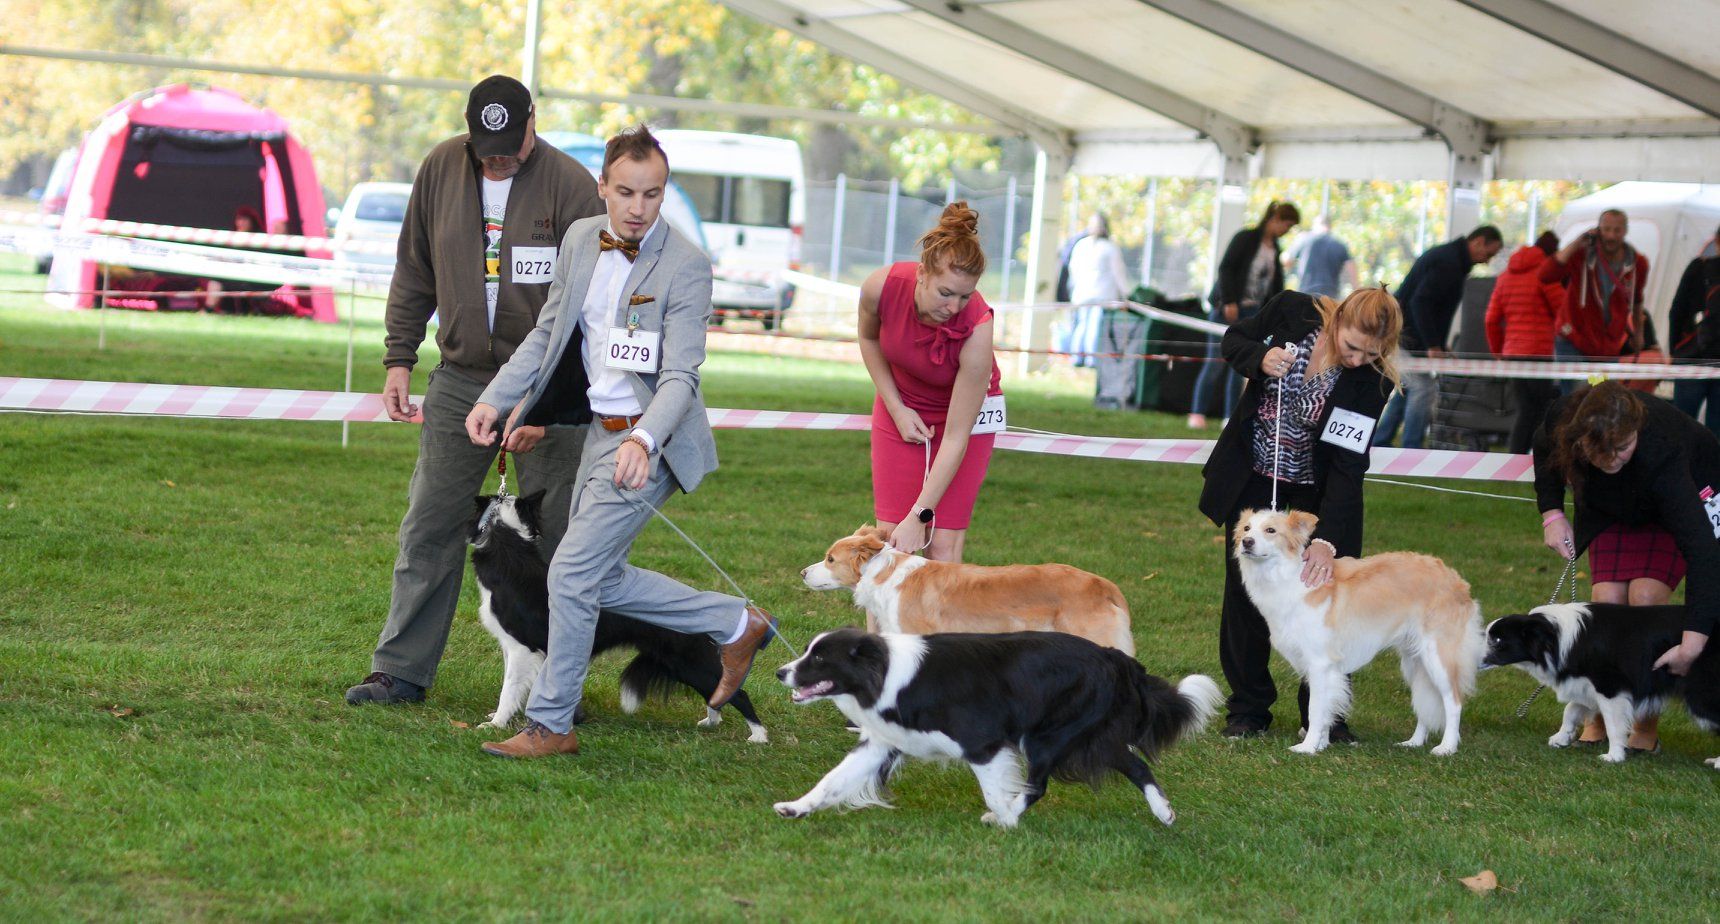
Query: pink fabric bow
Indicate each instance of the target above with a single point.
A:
(955, 330)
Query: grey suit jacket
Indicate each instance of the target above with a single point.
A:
(676, 276)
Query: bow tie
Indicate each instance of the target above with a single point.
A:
(607, 242)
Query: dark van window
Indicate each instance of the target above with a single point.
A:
(706, 191)
(382, 207)
(757, 201)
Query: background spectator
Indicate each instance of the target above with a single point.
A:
(1323, 263)
(1250, 273)
(1520, 318)
(1602, 318)
(1695, 332)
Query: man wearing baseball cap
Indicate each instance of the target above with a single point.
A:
(477, 247)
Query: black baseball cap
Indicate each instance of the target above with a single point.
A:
(496, 115)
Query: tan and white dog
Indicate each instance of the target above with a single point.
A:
(909, 594)
(1413, 603)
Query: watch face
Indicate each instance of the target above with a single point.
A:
(926, 515)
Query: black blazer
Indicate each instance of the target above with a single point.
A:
(1675, 458)
(1231, 281)
(1338, 471)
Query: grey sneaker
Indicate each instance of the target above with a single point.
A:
(386, 689)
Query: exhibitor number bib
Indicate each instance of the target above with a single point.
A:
(993, 418)
(1348, 429)
(634, 350)
(532, 264)
(1711, 507)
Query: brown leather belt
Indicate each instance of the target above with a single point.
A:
(617, 424)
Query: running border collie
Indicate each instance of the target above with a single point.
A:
(1065, 706)
(513, 590)
(1599, 657)
(1413, 603)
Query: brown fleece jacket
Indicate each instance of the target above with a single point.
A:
(440, 263)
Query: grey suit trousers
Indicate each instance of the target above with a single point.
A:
(432, 559)
(590, 571)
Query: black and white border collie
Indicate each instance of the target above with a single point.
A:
(1062, 704)
(513, 590)
(1599, 657)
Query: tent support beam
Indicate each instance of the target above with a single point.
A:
(1234, 139)
(1607, 48)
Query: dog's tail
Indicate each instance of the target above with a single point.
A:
(645, 677)
(1170, 714)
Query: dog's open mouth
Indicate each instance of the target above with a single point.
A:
(811, 691)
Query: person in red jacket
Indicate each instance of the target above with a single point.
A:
(1604, 277)
(1520, 319)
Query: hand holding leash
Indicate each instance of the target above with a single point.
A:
(1278, 360)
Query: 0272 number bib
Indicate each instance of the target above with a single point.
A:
(633, 350)
(532, 264)
(993, 417)
(1348, 429)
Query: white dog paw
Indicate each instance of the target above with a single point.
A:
(494, 723)
(792, 809)
(1613, 758)
(1561, 740)
(712, 718)
(1713, 762)
(759, 735)
(1306, 748)
(1161, 806)
(1412, 743)
(996, 820)
(1444, 750)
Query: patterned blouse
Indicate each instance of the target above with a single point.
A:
(1304, 402)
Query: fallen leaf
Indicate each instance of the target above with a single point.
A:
(1481, 883)
(1150, 576)
(11, 505)
(1218, 540)
(119, 711)
(168, 483)
(458, 724)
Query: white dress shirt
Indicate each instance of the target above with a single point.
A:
(611, 392)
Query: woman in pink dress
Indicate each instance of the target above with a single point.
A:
(926, 337)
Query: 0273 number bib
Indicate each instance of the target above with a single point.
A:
(633, 350)
(993, 417)
(1348, 429)
(532, 264)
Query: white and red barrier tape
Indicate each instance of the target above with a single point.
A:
(127, 398)
(247, 239)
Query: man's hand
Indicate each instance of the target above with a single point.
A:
(632, 465)
(397, 394)
(1231, 312)
(520, 440)
(481, 425)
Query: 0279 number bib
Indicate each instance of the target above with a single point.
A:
(993, 417)
(532, 264)
(635, 350)
(1348, 429)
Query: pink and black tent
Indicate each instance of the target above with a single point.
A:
(193, 157)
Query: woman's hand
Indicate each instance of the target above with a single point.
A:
(1678, 659)
(909, 535)
(909, 424)
(1556, 535)
(1276, 363)
(1231, 312)
(1316, 564)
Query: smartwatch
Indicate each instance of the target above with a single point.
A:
(924, 514)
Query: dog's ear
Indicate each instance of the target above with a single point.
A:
(871, 531)
(528, 508)
(1301, 524)
(481, 503)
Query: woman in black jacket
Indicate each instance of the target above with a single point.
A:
(1333, 365)
(1646, 480)
(1251, 272)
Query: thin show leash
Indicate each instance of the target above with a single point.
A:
(1569, 575)
(1278, 425)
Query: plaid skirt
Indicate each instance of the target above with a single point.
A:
(1624, 553)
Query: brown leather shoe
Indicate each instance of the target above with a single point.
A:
(535, 741)
(738, 655)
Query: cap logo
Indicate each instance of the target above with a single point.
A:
(494, 117)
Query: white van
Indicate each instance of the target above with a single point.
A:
(371, 216)
(750, 191)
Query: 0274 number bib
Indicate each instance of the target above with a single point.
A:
(634, 350)
(532, 264)
(993, 417)
(1348, 429)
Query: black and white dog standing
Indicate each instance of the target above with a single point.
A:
(1599, 657)
(1062, 704)
(513, 590)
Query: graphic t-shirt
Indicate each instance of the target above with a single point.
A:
(495, 214)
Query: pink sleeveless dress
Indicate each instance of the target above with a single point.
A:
(923, 361)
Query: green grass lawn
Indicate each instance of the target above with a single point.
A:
(182, 604)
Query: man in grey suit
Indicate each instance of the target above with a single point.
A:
(618, 344)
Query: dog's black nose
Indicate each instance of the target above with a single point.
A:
(1248, 543)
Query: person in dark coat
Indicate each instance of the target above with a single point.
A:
(1332, 363)
(1695, 332)
(1646, 481)
(1251, 272)
(1430, 295)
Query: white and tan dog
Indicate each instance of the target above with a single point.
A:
(1413, 603)
(909, 594)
